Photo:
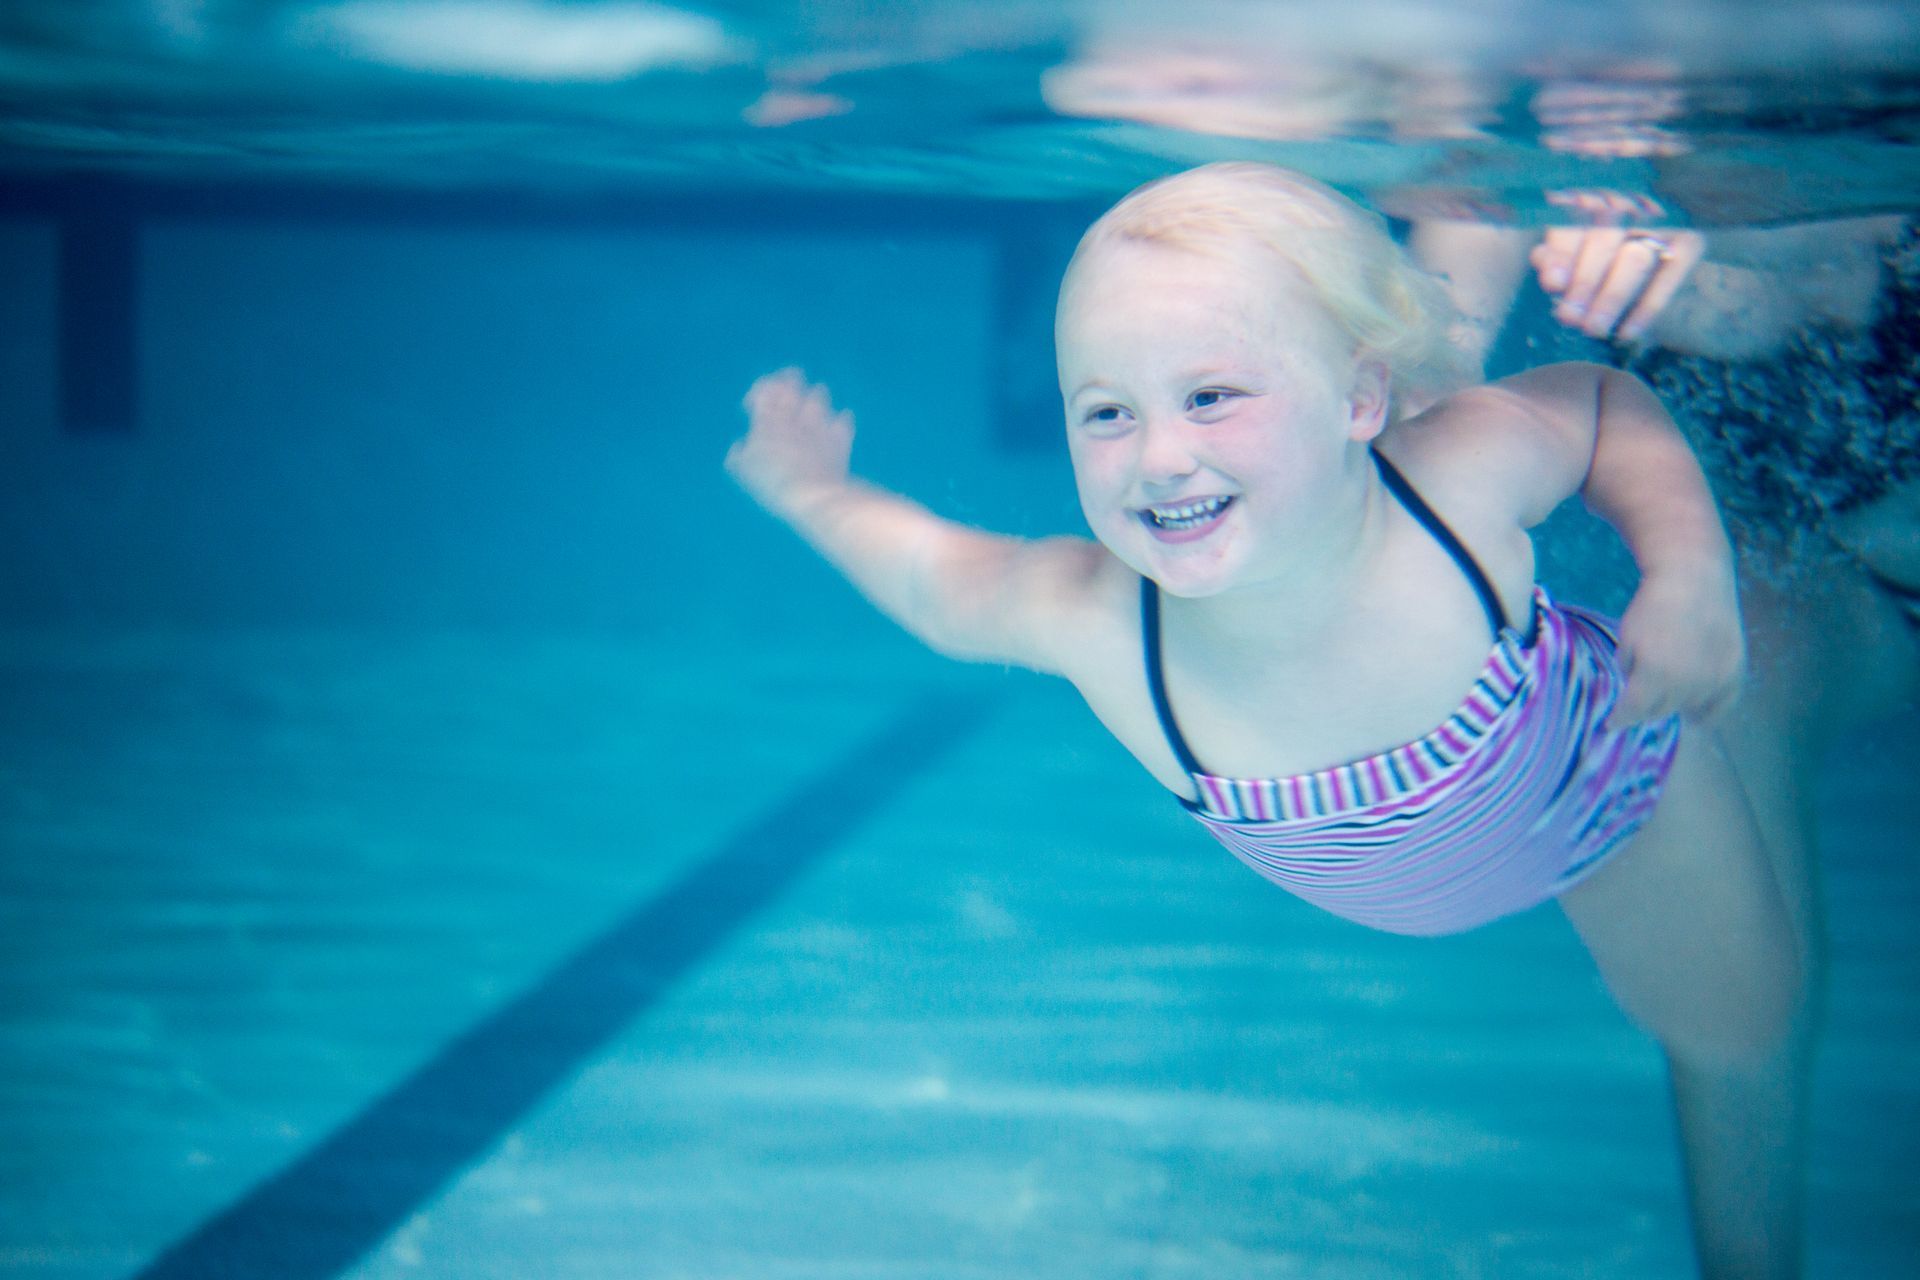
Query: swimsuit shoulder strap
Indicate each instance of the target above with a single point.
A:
(1430, 520)
(1156, 682)
(1416, 507)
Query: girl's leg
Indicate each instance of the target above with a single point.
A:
(1829, 651)
(1694, 939)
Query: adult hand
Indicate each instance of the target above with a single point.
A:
(1613, 282)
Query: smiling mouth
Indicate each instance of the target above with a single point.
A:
(1185, 515)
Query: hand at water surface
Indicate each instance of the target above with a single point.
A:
(1614, 282)
(795, 440)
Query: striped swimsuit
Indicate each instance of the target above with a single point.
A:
(1517, 797)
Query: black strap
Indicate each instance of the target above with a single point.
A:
(1417, 508)
(1156, 682)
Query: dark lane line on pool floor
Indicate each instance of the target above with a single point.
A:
(324, 1212)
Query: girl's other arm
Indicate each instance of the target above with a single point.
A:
(1602, 433)
(962, 592)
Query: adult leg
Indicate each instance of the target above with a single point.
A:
(1692, 936)
(1885, 534)
(1828, 651)
(1884, 537)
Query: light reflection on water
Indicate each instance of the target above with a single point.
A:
(1483, 103)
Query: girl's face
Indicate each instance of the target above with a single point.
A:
(1214, 414)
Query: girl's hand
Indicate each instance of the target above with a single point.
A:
(795, 440)
(1681, 647)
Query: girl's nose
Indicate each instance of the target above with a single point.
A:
(1166, 455)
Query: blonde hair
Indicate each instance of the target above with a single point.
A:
(1385, 306)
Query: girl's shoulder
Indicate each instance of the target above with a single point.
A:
(1455, 475)
(1078, 602)
(1458, 452)
(1502, 452)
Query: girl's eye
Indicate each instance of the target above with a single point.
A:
(1210, 398)
(1105, 415)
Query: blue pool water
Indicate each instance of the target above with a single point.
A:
(445, 831)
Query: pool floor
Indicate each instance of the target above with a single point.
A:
(475, 955)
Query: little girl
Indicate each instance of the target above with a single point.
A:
(1314, 620)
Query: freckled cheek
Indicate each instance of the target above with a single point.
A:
(1099, 476)
(1110, 520)
(1106, 514)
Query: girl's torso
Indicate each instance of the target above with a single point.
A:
(1407, 643)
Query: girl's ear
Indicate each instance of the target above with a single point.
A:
(1367, 402)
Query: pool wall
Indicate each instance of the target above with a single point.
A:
(416, 425)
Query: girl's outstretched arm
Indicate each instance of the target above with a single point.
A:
(1602, 433)
(963, 592)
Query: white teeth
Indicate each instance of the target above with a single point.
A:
(1187, 514)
